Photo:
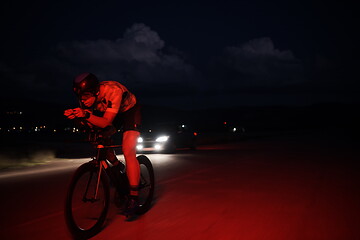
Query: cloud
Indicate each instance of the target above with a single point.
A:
(141, 61)
(257, 63)
(139, 58)
(139, 43)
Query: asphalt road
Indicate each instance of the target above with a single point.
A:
(277, 187)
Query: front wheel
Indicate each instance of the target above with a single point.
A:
(146, 185)
(87, 201)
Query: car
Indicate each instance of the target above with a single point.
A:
(167, 138)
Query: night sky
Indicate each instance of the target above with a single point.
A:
(185, 54)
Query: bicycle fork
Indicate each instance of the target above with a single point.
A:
(102, 165)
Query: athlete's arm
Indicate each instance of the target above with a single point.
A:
(100, 122)
(103, 121)
(69, 113)
(114, 101)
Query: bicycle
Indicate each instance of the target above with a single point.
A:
(88, 197)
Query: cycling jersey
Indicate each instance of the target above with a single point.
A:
(114, 97)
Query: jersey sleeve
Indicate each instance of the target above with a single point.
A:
(114, 100)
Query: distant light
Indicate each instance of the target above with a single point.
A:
(225, 123)
(157, 147)
(195, 134)
(162, 139)
(234, 130)
(182, 126)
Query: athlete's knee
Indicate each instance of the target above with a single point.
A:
(130, 142)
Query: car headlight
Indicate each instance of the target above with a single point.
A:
(140, 140)
(162, 139)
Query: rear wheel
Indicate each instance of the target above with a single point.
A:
(147, 184)
(85, 211)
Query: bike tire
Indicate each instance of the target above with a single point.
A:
(147, 184)
(78, 231)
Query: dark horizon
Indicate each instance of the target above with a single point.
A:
(255, 118)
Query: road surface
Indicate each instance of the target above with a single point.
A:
(282, 187)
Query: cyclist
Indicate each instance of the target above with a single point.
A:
(102, 105)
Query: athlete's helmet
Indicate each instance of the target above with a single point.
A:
(86, 83)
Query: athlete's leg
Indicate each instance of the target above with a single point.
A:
(111, 156)
(132, 164)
